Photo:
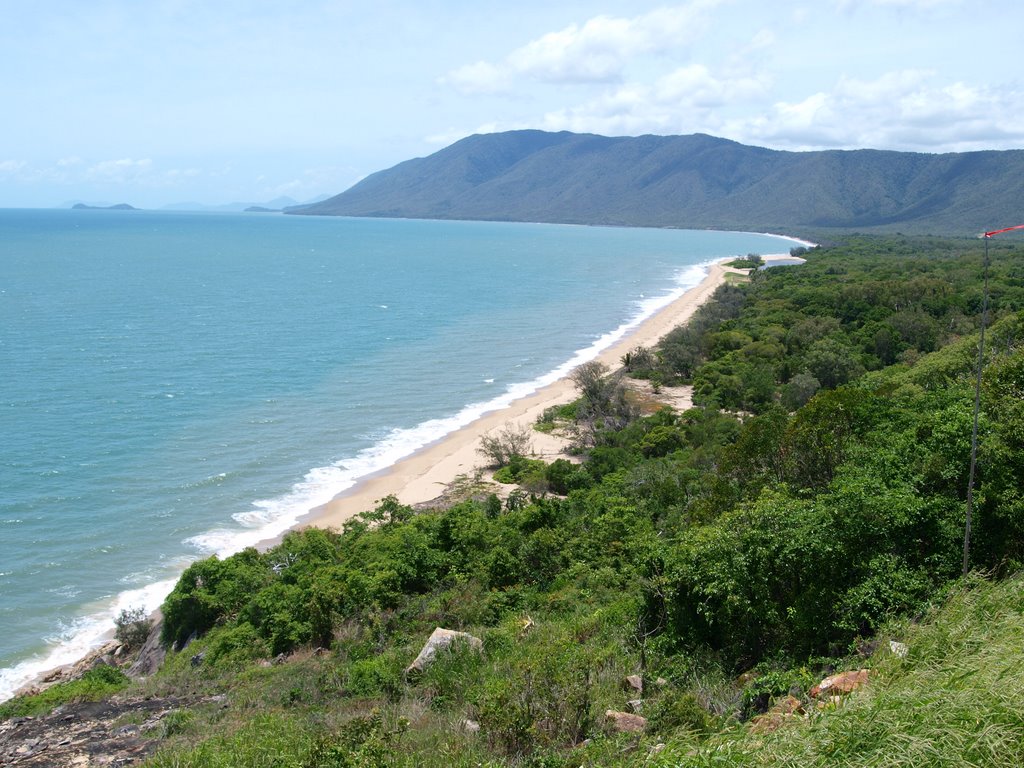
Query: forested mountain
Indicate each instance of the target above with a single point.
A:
(693, 181)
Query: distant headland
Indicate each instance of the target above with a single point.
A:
(693, 182)
(117, 207)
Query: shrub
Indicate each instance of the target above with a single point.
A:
(132, 627)
(362, 741)
(563, 476)
(235, 646)
(523, 471)
(502, 447)
(760, 692)
(750, 261)
(639, 359)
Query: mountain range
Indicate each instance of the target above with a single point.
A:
(694, 181)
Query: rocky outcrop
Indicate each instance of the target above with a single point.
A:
(782, 712)
(633, 684)
(842, 683)
(151, 655)
(89, 733)
(111, 653)
(625, 722)
(899, 650)
(441, 639)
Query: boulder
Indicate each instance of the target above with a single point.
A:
(441, 639)
(151, 655)
(625, 722)
(844, 682)
(899, 650)
(829, 702)
(633, 683)
(783, 711)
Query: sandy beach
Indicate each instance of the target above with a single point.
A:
(426, 474)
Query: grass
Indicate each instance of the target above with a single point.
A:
(94, 685)
(957, 699)
(735, 278)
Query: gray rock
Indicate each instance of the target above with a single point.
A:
(151, 655)
(625, 722)
(441, 639)
(633, 683)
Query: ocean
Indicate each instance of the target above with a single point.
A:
(175, 385)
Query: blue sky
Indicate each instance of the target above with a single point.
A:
(161, 101)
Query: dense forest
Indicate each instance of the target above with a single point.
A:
(700, 568)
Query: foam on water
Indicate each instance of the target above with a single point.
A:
(270, 518)
(78, 637)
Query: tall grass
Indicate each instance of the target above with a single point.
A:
(957, 699)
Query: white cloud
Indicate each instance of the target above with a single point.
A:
(481, 77)
(120, 171)
(452, 135)
(904, 109)
(182, 173)
(682, 101)
(11, 167)
(596, 51)
(919, 5)
(899, 110)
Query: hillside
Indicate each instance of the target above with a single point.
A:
(693, 181)
(679, 597)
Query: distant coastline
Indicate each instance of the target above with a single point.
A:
(428, 473)
(115, 207)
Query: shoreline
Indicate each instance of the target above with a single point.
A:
(428, 472)
(425, 474)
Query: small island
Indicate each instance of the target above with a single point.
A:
(117, 207)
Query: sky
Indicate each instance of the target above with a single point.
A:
(155, 102)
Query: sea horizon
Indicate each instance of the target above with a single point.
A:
(175, 372)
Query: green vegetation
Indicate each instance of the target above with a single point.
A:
(955, 700)
(95, 685)
(810, 508)
(132, 627)
(750, 261)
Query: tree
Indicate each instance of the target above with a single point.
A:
(800, 389)
(132, 627)
(832, 363)
(589, 379)
(505, 445)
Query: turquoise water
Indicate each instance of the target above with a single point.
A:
(174, 385)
